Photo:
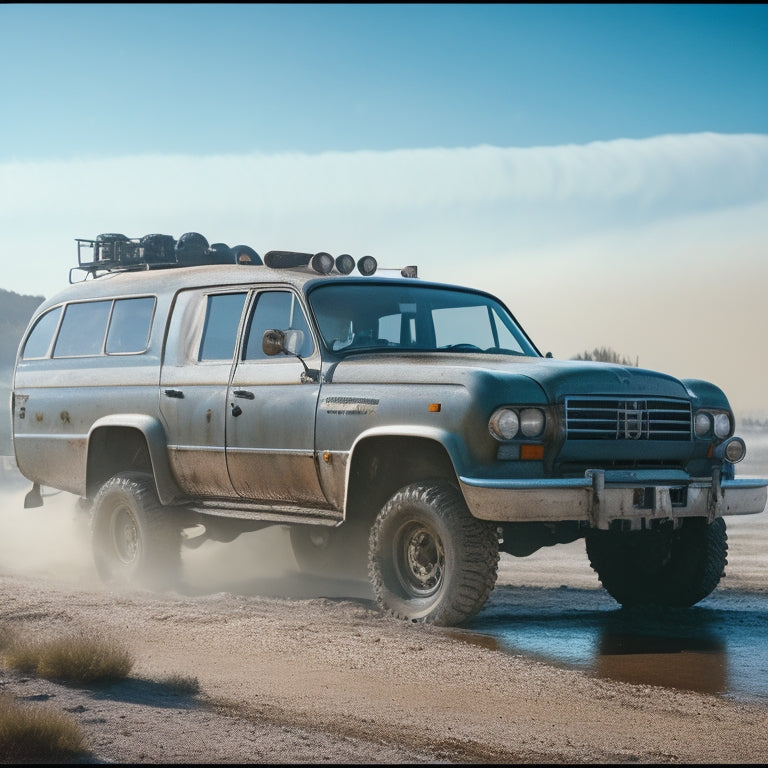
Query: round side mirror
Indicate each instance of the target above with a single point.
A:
(273, 342)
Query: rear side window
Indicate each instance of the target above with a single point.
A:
(129, 325)
(82, 329)
(39, 340)
(114, 326)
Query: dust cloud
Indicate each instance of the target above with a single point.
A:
(53, 542)
(47, 542)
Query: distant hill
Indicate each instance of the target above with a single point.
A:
(15, 311)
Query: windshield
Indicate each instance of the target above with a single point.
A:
(375, 315)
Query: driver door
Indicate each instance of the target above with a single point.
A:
(271, 419)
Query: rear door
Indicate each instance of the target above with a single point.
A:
(198, 364)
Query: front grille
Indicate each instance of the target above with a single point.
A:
(588, 418)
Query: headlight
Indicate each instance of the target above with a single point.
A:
(531, 422)
(722, 425)
(504, 424)
(702, 423)
(717, 423)
(735, 450)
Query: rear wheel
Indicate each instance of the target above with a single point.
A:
(664, 567)
(430, 560)
(135, 539)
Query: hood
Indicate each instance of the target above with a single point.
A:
(555, 378)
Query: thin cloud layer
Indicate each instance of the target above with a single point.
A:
(615, 223)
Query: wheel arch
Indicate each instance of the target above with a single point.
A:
(382, 463)
(129, 443)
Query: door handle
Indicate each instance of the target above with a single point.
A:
(174, 393)
(244, 393)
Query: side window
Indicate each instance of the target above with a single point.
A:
(39, 340)
(82, 329)
(222, 318)
(130, 325)
(281, 310)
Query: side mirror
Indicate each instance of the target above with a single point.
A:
(276, 341)
(273, 342)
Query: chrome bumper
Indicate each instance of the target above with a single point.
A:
(603, 496)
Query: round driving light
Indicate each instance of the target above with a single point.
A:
(531, 422)
(367, 265)
(322, 262)
(504, 424)
(735, 450)
(702, 423)
(345, 264)
(722, 425)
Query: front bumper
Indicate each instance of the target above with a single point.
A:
(601, 497)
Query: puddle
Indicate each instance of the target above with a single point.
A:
(718, 647)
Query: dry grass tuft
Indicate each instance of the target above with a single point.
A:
(37, 733)
(73, 658)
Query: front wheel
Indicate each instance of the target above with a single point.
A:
(662, 567)
(429, 560)
(135, 540)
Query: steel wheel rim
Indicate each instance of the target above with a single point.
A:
(125, 535)
(419, 559)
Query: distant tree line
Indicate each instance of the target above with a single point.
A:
(750, 423)
(607, 355)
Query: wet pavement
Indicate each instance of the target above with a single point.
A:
(719, 646)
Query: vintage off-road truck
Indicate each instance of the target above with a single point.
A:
(406, 429)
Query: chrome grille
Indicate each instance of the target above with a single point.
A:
(596, 418)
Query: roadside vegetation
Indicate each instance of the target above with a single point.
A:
(34, 732)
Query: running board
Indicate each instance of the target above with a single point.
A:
(274, 513)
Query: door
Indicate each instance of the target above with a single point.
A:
(271, 416)
(199, 358)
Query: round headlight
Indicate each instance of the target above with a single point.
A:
(722, 425)
(735, 450)
(702, 423)
(531, 422)
(504, 424)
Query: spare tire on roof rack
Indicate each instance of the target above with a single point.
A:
(220, 253)
(191, 249)
(244, 254)
(158, 249)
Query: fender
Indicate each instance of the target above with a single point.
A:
(167, 489)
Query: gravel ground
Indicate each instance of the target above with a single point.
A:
(293, 670)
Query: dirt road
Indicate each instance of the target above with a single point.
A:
(295, 670)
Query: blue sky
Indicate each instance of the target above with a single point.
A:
(189, 78)
(601, 168)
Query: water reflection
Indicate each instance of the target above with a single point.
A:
(718, 647)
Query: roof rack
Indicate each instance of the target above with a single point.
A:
(113, 252)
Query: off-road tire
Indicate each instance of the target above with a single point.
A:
(135, 540)
(665, 568)
(430, 561)
(331, 552)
